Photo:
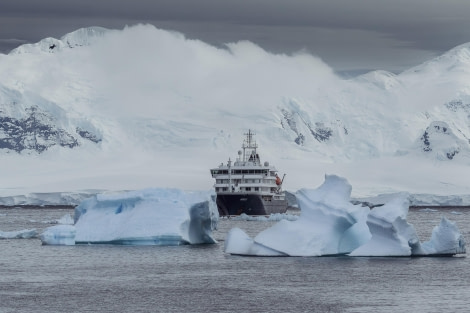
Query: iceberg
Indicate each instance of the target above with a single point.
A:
(19, 234)
(392, 235)
(58, 235)
(242, 244)
(329, 224)
(445, 240)
(65, 220)
(143, 217)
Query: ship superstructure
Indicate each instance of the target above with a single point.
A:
(248, 186)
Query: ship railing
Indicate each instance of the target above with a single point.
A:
(262, 193)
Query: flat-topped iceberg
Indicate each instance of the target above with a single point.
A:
(144, 217)
(330, 224)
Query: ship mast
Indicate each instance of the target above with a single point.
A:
(250, 144)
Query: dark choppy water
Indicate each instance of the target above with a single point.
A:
(35, 278)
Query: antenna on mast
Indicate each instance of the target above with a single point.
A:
(250, 144)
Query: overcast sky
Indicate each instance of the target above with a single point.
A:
(349, 35)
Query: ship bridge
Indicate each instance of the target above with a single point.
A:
(247, 183)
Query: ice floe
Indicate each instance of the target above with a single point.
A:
(269, 218)
(19, 234)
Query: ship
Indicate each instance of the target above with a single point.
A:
(248, 186)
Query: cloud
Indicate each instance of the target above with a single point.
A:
(182, 74)
(391, 35)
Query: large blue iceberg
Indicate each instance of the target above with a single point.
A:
(144, 217)
(329, 224)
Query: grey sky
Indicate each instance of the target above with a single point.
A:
(349, 35)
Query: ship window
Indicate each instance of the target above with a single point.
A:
(224, 189)
(248, 188)
(256, 188)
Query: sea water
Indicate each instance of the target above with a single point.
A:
(105, 278)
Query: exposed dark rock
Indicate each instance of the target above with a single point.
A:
(321, 133)
(439, 137)
(450, 155)
(425, 140)
(87, 135)
(37, 131)
(456, 105)
(289, 118)
(300, 139)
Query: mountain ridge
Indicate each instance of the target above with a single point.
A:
(143, 101)
(77, 38)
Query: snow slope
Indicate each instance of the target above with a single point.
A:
(143, 107)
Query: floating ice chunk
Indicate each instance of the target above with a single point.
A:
(271, 218)
(392, 235)
(147, 217)
(328, 224)
(20, 234)
(445, 240)
(238, 242)
(428, 210)
(59, 235)
(65, 220)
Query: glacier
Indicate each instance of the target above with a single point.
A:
(329, 224)
(113, 110)
(142, 217)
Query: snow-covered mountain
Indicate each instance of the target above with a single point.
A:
(144, 107)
